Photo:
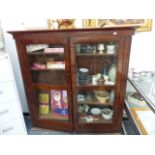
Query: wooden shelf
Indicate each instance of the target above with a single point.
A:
(100, 121)
(96, 55)
(95, 102)
(48, 87)
(42, 53)
(92, 87)
(45, 70)
(54, 116)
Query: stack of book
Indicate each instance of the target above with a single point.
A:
(43, 103)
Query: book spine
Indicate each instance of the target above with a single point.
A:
(53, 50)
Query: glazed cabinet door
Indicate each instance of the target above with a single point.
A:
(45, 65)
(96, 62)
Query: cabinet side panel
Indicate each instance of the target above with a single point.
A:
(126, 57)
(26, 79)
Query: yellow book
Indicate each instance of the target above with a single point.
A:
(43, 103)
(43, 98)
(43, 109)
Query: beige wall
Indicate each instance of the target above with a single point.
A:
(143, 50)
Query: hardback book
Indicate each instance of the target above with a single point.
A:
(53, 50)
(43, 98)
(55, 65)
(59, 102)
(35, 47)
(44, 109)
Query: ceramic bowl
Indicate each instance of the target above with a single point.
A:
(111, 49)
(102, 99)
(89, 119)
(83, 70)
(85, 77)
(136, 101)
(101, 93)
(107, 113)
(102, 96)
(85, 82)
(95, 111)
(81, 97)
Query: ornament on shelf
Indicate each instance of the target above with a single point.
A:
(112, 73)
(100, 48)
(66, 23)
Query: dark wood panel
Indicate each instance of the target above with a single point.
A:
(126, 56)
(22, 35)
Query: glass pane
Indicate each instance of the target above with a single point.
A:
(52, 104)
(138, 97)
(96, 63)
(133, 98)
(95, 106)
(47, 64)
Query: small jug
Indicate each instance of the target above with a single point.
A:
(100, 48)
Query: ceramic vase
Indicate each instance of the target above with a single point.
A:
(112, 73)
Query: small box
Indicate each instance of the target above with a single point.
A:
(44, 109)
(43, 103)
(43, 98)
